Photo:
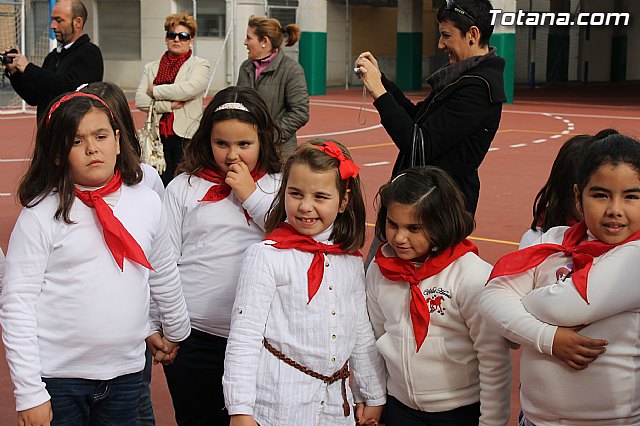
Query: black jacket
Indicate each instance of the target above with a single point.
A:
(458, 123)
(60, 73)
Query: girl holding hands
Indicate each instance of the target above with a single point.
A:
(216, 208)
(88, 249)
(299, 322)
(445, 365)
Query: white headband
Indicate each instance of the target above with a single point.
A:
(232, 105)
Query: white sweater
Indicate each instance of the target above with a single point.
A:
(606, 393)
(334, 327)
(68, 310)
(209, 239)
(462, 361)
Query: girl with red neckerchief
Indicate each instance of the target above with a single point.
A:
(88, 250)
(444, 364)
(216, 208)
(571, 300)
(299, 322)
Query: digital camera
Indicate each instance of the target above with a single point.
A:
(7, 59)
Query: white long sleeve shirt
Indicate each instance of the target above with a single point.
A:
(209, 239)
(462, 360)
(271, 303)
(68, 310)
(523, 307)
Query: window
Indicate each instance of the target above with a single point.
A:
(211, 16)
(119, 29)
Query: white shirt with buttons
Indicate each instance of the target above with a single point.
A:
(271, 303)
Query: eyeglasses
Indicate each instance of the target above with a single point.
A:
(452, 5)
(183, 36)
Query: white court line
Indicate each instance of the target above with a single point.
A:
(555, 136)
(5, 194)
(13, 160)
(539, 141)
(494, 149)
(518, 145)
(379, 163)
(549, 114)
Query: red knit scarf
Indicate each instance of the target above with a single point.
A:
(396, 269)
(222, 190)
(285, 236)
(120, 242)
(574, 244)
(167, 72)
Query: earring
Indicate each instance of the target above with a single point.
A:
(264, 45)
(434, 249)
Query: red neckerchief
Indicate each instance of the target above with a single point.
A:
(396, 269)
(167, 72)
(120, 242)
(286, 237)
(222, 190)
(574, 244)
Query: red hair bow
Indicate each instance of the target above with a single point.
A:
(347, 167)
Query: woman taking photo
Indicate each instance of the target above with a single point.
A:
(278, 78)
(176, 82)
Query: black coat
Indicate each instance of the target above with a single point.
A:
(458, 122)
(60, 73)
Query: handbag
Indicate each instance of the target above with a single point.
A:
(152, 152)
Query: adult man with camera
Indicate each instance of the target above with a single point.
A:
(75, 61)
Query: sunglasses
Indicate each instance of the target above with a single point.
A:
(183, 36)
(452, 5)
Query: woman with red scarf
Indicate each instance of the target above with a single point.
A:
(177, 83)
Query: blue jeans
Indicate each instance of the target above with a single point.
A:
(95, 402)
(145, 410)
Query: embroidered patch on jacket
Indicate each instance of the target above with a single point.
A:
(564, 272)
(434, 297)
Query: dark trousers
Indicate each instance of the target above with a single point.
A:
(195, 381)
(398, 414)
(77, 402)
(172, 147)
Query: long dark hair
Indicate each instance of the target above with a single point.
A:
(197, 152)
(349, 226)
(438, 202)
(554, 204)
(49, 169)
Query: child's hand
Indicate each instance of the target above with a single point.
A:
(242, 420)
(156, 345)
(366, 415)
(171, 352)
(576, 350)
(240, 180)
(36, 416)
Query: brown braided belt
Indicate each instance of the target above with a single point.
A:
(342, 374)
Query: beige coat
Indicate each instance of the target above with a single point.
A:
(188, 87)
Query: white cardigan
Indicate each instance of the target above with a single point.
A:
(462, 360)
(188, 87)
(68, 310)
(523, 308)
